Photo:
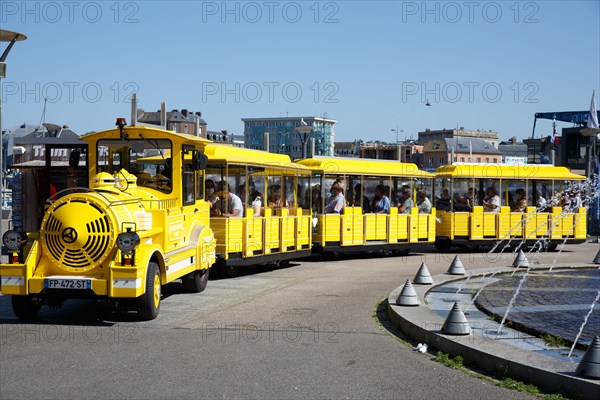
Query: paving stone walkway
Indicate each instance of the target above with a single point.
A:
(549, 302)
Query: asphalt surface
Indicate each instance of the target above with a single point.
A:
(306, 331)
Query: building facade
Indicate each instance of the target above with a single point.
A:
(285, 135)
(183, 121)
(513, 152)
(429, 135)
(403, 152)
(347, 149)
(445, 151)
(546, 150)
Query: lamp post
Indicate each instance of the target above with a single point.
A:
(10, 37)
(397, 141)
(304, 133)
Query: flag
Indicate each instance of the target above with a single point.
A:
(592, 121)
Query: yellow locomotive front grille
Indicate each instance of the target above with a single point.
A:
(77, 235)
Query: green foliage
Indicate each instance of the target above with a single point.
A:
(509, 383)
(554, 341)
(455, 363)
(554, 397)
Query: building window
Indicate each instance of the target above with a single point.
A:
(487, 159)
(441, 160)
(495, 160)
(462, 159)
(478, 159)
(431, 161)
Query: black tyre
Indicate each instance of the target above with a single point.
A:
(230, 271)
(443, 245)
(551, 246)
(469, 247)
(196, 281)
(149, 302)
(25, 307)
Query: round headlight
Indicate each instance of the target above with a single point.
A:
(13, 240)
(128, 241)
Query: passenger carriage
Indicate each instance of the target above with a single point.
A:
(359, 228)
(537, 204)
(276, 222)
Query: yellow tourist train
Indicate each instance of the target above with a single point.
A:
(479, 204)
(160, 206)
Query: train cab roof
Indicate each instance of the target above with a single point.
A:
(363, 166)
(145, 132)
(505, 171)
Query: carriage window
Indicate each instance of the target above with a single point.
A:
(189, 176)
(442, 194)
(304, 195)
(256, 187)
(275, 191)
(149, 160)
(289, 190)
(465, 194)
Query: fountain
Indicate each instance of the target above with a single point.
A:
(584, 323)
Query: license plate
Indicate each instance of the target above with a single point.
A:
(52, 283)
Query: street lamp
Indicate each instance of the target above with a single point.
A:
(12, 38)
(397, 141)
(304, 131)
(397, 133)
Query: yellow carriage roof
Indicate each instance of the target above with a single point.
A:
(236, 155)
(364, 166)
(504, 171)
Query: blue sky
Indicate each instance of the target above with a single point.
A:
(371, 65)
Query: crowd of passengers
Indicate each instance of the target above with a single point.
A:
(380, 203)
(569, 200)
(217, 193)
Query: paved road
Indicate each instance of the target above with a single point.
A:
(305, 331)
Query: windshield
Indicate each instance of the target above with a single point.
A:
(148, 159)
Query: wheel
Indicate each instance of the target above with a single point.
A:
(149, 302)
(443, 245)
(551, 246)
(469, 247)
(196, 281)
(25, 307)
(230, 271)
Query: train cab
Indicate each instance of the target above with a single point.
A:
(139, 223)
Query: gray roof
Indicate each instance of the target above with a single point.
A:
(464, 145)
(22, 130)
(513, 150)
(64, 136)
